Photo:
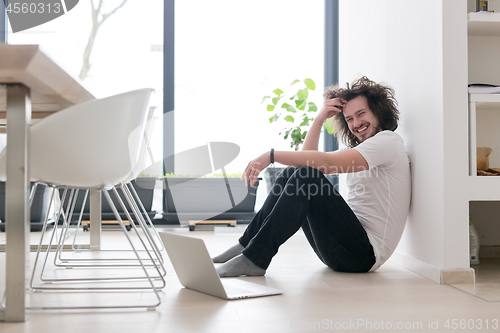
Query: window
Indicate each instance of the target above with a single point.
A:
(228, 55)
(127, 53)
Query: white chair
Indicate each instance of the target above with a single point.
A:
(69, 213)
(100, 144)
(137, 209)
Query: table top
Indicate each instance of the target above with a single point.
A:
(52, 88)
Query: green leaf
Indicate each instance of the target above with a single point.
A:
(294, 81)
(305, 121)
(276, 100)
(288, 107)
(263, 99)
(289, 119)
(329, 126)
(305, 92)
(310, 84)
(300, 103)
(300, 94)
(296, 136)
(274, 118)
(312, 107)
(278, 91)
(270, 107)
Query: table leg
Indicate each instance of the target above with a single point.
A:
(17, 213)
(95, 220)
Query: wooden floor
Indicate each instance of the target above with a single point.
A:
(315, 299)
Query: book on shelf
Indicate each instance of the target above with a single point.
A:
(484, 89)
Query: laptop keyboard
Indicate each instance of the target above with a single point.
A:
(236, 291)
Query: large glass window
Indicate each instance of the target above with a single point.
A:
(229, 54)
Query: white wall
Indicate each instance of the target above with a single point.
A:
(404, 43)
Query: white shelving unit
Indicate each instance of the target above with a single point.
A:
(484, 24)
(478, 102)
(484, 40)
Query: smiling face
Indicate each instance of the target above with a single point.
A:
(360, 119)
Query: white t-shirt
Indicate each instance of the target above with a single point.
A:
(380, 196)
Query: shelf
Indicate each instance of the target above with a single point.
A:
(484, 24)
(482, 68)
(477, 103)
(486, 101)
(484, 188)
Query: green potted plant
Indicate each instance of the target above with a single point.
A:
(210, 197)
(292, 106)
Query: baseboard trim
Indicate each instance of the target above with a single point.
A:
(458, 276)
(421, 268)
(442, 276)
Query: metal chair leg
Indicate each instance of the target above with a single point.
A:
(144, 211)
(117, 306)
(139, 217)
(104, 262)
(40, 244)
(141, 264)
(140, 238)
(144, 227)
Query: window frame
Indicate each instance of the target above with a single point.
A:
(3, 23)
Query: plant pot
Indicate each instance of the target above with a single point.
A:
(270, 175)
(208, 199)
(39, 206)
(144, 186)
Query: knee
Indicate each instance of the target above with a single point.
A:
(288, 172)
(308, 172)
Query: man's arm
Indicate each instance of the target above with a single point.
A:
(342, 161)
(312, 138)
(330, 108)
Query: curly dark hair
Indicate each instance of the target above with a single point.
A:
(380, 100)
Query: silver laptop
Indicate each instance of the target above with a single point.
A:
(196, 271)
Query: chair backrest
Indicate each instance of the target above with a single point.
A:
(93, 144)
(145, 151)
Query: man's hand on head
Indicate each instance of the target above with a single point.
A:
(331, 107)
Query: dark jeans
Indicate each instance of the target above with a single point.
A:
(303, 197)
